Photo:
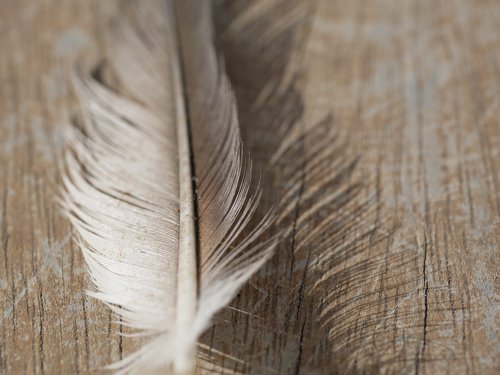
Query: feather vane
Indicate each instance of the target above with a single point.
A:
(158, 186)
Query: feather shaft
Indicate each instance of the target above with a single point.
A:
(187, 262)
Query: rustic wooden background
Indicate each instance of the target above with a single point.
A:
(409, 279)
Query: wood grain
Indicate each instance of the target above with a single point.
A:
(404, 280)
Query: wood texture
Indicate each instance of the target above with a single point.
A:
(410, 282)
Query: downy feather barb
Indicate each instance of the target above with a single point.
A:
(157, 184)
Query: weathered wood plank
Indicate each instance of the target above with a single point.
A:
(410, 283)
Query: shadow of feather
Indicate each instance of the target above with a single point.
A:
(316, 307)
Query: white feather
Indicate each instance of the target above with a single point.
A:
(129, 190)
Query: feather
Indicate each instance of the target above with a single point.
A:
(157, 184)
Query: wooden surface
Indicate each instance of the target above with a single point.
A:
(404, 280)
